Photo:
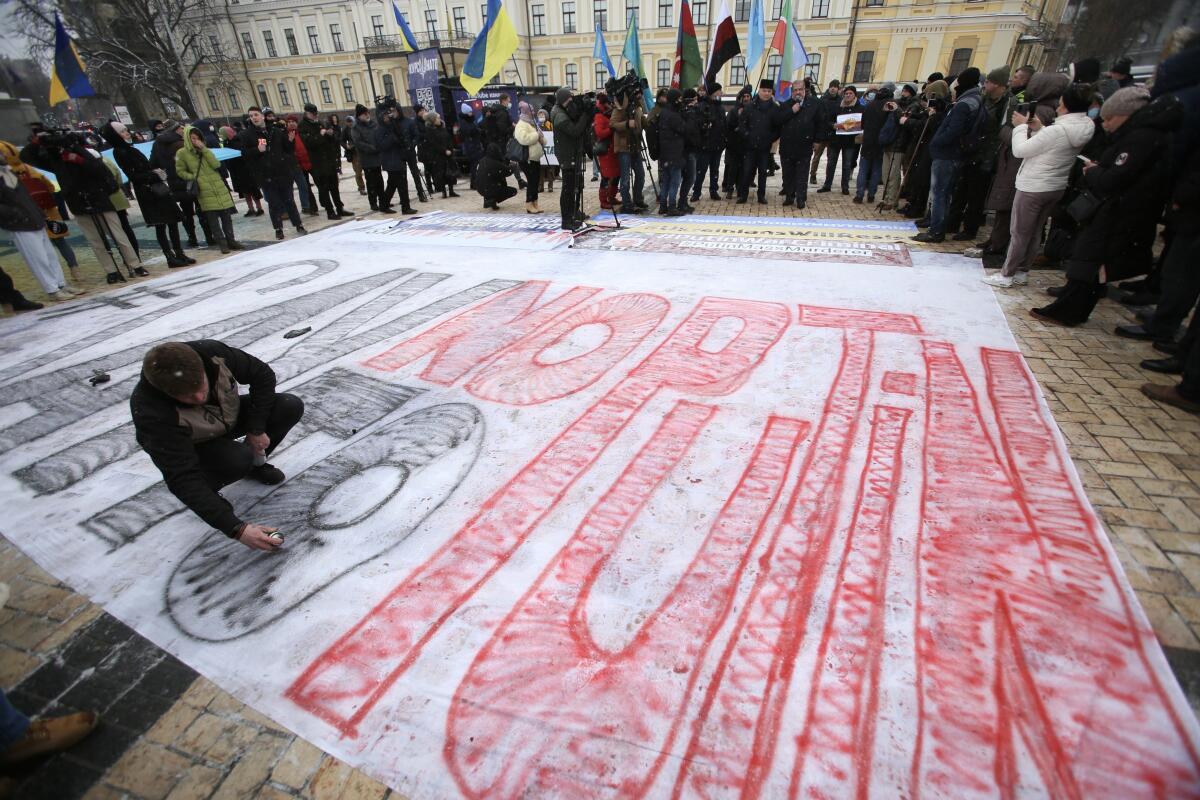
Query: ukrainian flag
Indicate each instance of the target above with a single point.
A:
(494, 45)
(67, 78)
(409, 39)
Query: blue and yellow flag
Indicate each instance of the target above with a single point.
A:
(600, 52)
(494, 45)
(410, 41)
(67, 78)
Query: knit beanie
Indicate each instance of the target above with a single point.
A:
(968, 79)
(937, 89)
(562, 95)
(359, 110)
(1000, 75)
(1123, 66)
(466, 110)
(1085, 71)
(1124, 102)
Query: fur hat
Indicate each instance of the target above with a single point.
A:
(1000, 75)
(766, 83)
(937, 88)
(360, 109)
(1085, 71)
(1124, 102)
(968, 79)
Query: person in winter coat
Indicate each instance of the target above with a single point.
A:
(914, 188)
(829, 101)
(42, 191)
(894, 140)
(946, 152)
(395, 145)
(610, 170)
(346, 133)
(414, 129)
(712, 134)
(152, 191)
(842, 146)
(363, 137)
(672, 133)
(757, 124)
(530, 136)
(162, 157)
(974, 177)
(20, 216)
(800, 121)
(324, 155)
(1047, 155)
(491, 178)
(87, 186)
(436, 151)
(239, 175)
(270, 157)
(570, 123)
(470, 138)
(870, 160)
(628, 121)
(195, 162)
(735, 142)
(303, 171)
(1131, 180)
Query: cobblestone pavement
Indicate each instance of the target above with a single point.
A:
(168, 733)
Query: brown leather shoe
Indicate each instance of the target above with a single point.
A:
(1171, 396)
(47, 736)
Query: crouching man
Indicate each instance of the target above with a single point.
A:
(188, 416)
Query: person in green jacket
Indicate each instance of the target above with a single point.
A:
(195, 162)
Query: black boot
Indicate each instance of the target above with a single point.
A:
(445, 193)
(331, 214)
(115, 277)
(182, 256)
(22, 303)
(1074, 305)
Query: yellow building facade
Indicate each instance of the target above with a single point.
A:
(284, 53)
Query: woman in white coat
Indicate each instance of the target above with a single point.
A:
(1047, 153)
(529, 135)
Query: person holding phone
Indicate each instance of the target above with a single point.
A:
(270, 156)
(1047, 154)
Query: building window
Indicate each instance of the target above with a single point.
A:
(483, 13)
(326, 95)
(538, 15)
(776, 9)
(568, 16)
(773, 62)
(304, 96)
(233, 100)
(263, 100)
(389, 85)
(961, 60)
(247, 45)
(741, 11)
(813, 69)
(633, 11)
(600, 14)
(572, 73)
(864, 63)
(460, 20)
(377, 24)
(663, 74)
(214, 46)
(820, 8)
(347, 90)
(212, 102)
(542, 75)
(601, 75)
(269, 41)
(314, 44)
(700, 12)
(289, 36)
(431, 23)
(737, 72)
(335, 33)
(666, 9)
(284, 100)
(874, 3)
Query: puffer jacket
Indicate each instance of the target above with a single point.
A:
(201, 166)
(946, 145)
(85, 182)
(609, 167)
(363, 137)
(1048, 155)
(672, 133)
(529, 136)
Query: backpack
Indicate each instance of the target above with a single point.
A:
(970, 144)
(890, 132)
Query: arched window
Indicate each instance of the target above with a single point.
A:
(572, 73)
(664, 74)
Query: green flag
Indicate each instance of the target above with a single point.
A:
(632, 54)
(688, 67)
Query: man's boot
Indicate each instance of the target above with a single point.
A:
(22, 303)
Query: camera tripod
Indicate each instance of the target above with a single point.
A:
(102, 227)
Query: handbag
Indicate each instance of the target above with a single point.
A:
(191, 188)
(1084, 207)
(515, 151)
(600, 148)
(160, 189)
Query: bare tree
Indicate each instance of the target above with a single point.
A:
(1104, 29)
(156, 45)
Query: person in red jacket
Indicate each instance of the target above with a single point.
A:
(610, 169)
(308, 201)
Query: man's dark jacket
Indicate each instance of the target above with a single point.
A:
(324, 152)
(758, 124)
(168, 442)
(278, 163)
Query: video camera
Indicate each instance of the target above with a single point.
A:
(385, 103)
(626, 89)
(581, 105)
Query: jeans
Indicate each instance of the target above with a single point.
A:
(754, 161)
(671, 178)
(13, 723)
(224, 460)
(707, 161)
(841, 147)
(971, 186)
(280, 201)
(870, 172)
(941, 187)
(632, 163)
(307, 201)
(64, 249)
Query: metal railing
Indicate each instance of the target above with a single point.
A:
(395, 43)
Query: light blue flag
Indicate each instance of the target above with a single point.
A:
(633, 58)
(600, 53)
(757, 38)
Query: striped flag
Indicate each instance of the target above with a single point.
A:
(409, 40)
(688, 66)
(494, 45)
(787, 41)
(67, 77)
(725, 43)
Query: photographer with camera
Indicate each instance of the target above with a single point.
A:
(571, 117)
(324, 153)
(757, 124)
(628, 121)
(269, 154)
(735, 142)
(672, 155)
(395, 144)
(801, 121)
(87, 186)
(711, 119)
(904, 121)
